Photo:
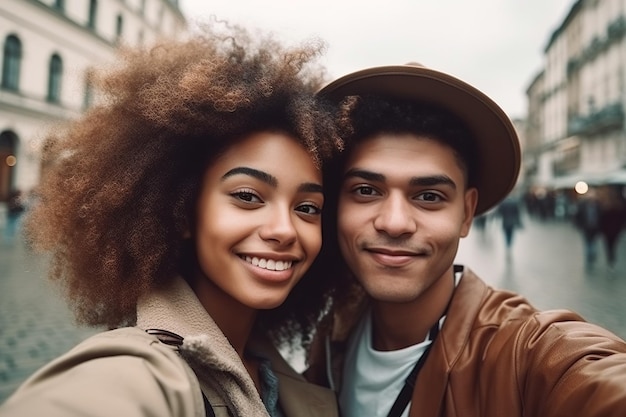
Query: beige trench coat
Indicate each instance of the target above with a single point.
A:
(128, 372)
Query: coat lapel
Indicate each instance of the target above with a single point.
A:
(297, 397)
(430, 388)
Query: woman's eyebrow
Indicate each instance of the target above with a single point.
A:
(307, 187)
(311, 187)
(260, 175)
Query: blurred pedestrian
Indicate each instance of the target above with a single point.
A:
(15, 208)
(510, 217)
(480, 222)
(612, 221)
(169, 221)
(587, 219)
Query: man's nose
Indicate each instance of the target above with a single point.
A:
(396, 216)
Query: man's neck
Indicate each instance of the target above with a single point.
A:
(399, 325)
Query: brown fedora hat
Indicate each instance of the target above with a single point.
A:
(497, 144)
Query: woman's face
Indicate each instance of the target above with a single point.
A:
(258, 220)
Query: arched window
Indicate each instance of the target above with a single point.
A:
(8, 150)
(12, 59)
(119, 27)
(88, 96)
(54, 79)
(93, 12)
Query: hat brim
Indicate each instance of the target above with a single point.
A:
(497, 144)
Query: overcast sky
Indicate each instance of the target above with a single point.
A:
(496, 45)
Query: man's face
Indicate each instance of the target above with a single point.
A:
(403, 206)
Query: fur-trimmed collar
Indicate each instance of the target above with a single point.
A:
(176, 308)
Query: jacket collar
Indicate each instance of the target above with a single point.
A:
(176, 308)
(204, 347)
(431, 383)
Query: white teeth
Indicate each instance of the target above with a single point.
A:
(269, 264)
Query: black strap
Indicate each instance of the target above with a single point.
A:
(404, 397)
(208, 410)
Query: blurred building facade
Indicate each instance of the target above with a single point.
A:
(48, 49)
(575, 128)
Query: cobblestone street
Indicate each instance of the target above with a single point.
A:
(35, 324)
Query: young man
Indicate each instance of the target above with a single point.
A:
(410, 333)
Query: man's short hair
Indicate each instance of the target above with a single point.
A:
(367, 116)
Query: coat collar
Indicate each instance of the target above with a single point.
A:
(176, 308)
(432, 381)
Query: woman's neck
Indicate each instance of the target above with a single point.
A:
(234, 319)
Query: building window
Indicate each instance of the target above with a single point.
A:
(119, 26)
(88, 97)
(8, 160)
(93, 10)
(54, 80)
(59, 5)
(12, 59)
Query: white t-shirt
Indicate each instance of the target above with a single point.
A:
(371, 388)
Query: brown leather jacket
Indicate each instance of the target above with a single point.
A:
(497, 356)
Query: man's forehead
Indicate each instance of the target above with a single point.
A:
(403, 156)
(397, 147)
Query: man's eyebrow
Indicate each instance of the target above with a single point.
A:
(260, 175)
(364, 174)
(432, 180)
(425, 181)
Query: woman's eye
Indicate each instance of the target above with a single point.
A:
(310, 209)
(246, 196)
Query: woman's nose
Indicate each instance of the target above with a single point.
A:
(279, 227)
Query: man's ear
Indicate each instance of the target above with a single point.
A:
(470, 202)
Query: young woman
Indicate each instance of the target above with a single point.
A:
(184, 212)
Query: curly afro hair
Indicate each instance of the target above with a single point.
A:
(120, 184)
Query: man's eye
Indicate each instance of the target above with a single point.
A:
(246, 196)
(310, 209)
(429, 197)
(365, 190)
